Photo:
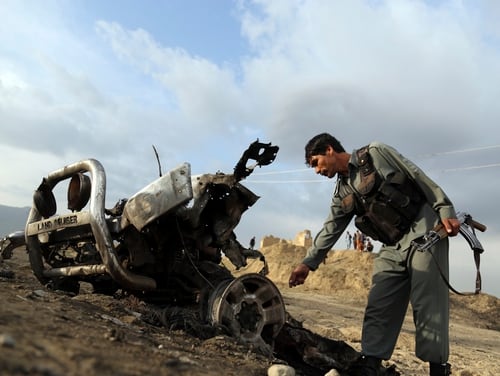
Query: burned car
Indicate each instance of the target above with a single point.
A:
(164, 244)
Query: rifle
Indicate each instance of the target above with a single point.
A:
(467, 226)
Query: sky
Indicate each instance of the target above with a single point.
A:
(200, 80)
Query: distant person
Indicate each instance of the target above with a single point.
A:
(369, 245)
(252, 243)
(348, 238)
(361, 242)
(393, 202)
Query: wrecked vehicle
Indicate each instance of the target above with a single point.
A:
(164, 244)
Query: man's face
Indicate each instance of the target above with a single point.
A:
(325, 165)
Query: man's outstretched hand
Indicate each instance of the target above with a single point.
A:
(298, 275)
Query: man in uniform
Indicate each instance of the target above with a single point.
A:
(393, 202)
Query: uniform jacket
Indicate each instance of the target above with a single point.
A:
(386, 160)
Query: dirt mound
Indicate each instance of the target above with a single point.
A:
(343, 273)
(346, 274)
(43, 332)
(51, 333)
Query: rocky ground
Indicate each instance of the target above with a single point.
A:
(49, 333)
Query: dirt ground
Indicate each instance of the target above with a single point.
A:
(48, 333)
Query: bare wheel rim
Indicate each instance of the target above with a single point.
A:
(251, 306)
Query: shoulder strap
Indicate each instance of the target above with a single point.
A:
(365, 161)
(478, 276)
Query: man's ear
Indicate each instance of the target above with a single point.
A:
(329, 150)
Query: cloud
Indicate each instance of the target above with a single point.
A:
(202, 92)
(421, 76)
(405, 67)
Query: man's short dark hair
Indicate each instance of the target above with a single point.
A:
(318, 145)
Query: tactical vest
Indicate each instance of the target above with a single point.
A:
(385, 208)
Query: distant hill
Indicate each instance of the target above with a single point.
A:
(12, 219)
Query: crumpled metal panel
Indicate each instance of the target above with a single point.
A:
(201, 182)
(164, 194)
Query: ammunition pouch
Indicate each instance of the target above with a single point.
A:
(391, 211)
(385, 209)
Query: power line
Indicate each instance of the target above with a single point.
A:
(327, 180)
(420, 156)
(459, 151)
(282, 172)
(471, 167)
(287, 181)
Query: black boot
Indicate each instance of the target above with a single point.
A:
(365, 366)
(437, 369)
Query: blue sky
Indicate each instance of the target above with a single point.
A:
(206, 28)
(201, 80)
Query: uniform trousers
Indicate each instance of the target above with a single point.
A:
(407, 276)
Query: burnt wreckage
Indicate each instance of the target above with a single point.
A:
(165, 245)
